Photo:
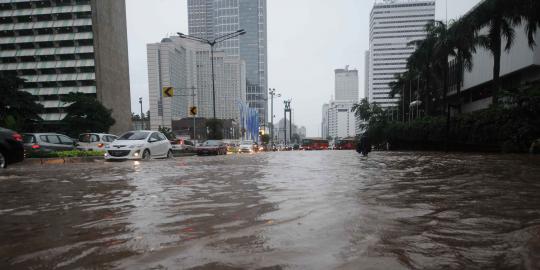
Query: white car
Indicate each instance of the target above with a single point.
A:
(139, 145)
(246, 147)
(95, 141)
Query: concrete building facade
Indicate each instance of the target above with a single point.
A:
(393, 25)
(213, 18)
(346, 84)
(520, 65)
(341, 119)
(366, 75)
(324, 124)
(60, 47)
(186, 66)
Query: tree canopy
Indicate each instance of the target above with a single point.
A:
(18, 109)
(86, 114)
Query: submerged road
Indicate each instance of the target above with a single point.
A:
(288, 210)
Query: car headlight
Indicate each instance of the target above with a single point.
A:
(107, 147)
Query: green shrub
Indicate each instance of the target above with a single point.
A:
(66, 154)
(494, 129)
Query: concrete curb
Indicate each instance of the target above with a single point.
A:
(60, 161)
(177, 154)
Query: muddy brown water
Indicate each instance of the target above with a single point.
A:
(294, 210)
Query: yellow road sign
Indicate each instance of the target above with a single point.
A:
(192, 111)
(168, 91)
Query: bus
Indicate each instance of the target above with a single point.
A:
(314, 144)
(345, 144)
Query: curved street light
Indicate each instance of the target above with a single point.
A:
(212, 43)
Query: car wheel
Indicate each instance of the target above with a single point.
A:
(170, 154)
(3, 161)
(146, 155)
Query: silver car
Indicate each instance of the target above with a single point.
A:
(95, 141)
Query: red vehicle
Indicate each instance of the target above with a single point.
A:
(212, 147)
(346, 144)
(315, 144)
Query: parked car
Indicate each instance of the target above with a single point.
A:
(212, 147)
(11, 147)
(47, 142)
(247, 147)
(95, 141)
(182, 145)
(139, 145)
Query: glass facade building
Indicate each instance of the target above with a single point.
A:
(213, 18)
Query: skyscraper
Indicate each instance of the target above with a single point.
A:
(346, 84)
(324, 123)
(185, 65)
(339, 120)
(213, 18)
(393, 25)
(366, 75)
(60, 47)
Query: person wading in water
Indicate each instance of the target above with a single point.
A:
(364, 146)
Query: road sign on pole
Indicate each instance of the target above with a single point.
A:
(168, 91)
(192, 111)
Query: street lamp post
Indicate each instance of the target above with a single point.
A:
(272, 93)
(287, 110)
(212, 43)
(142, 118)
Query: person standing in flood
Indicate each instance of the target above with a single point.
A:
(364, 146)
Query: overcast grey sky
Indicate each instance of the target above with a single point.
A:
(307, 40)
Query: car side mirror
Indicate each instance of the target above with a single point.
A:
(152, 140)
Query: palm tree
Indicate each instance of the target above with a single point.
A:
(530, 11)
(464, 41)
(500, 17)
(422, 62)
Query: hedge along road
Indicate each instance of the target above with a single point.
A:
(287, 210)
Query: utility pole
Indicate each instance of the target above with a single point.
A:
(272, 93)
(142, 117)
(194, 116)
(287, 110)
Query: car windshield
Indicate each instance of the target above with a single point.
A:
(211, 143)
(134, 136)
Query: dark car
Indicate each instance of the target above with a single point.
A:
(11, 147)
(38, 143)
(212, 147)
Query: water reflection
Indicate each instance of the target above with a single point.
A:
(290, 210)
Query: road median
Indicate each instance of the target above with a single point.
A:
(60, 161)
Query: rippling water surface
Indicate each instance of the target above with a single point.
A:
(297, 210)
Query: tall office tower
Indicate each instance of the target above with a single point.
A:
(366, 75)
(60, 47)
(346, 84)
(185, 65)
(393, 25)
(324, 122)
(213, 18)
(341, 119)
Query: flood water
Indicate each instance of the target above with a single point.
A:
(289, 210)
